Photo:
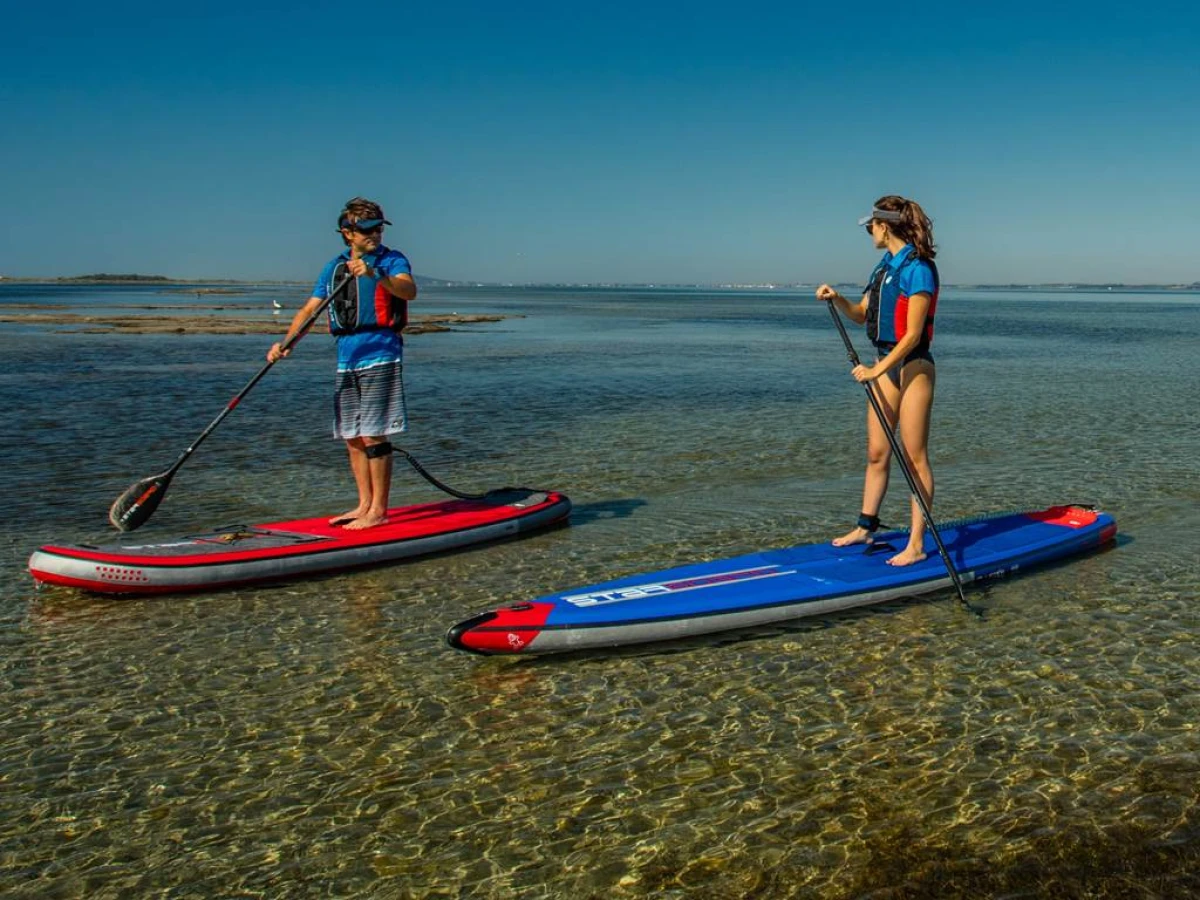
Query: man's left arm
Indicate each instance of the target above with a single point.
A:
(401, 286)
(396, 277)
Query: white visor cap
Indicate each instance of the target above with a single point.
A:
(884, 215)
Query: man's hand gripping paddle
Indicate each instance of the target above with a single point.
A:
(898, 454)
(134, 507)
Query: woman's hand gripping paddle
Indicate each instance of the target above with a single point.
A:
(134, 507)
(917, 493)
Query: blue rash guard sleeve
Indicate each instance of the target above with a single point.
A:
(918, 279)
(393, 263)
(321, 288)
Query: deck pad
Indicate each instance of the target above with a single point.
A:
(241, 554)
(219, 541)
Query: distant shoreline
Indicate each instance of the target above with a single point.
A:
(147, 280)
(225, 285)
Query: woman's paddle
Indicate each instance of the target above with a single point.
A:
(134, 507)
(898, 453)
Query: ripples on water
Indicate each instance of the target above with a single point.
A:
(317, 739)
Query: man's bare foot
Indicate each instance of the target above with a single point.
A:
(347, 517)
(370, 520)
(907, 557)
(856, 536)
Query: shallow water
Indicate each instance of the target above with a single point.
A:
(318, 739)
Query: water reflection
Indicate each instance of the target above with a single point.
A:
(318, 737)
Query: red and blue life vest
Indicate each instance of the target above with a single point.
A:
(364, 304)
(887, 304)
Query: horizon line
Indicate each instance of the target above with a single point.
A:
(135, 278)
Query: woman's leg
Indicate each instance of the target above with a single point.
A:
(917, 380)
(879, 459)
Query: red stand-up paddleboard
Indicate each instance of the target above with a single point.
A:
(279, 551)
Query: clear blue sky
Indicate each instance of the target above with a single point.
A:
(631, 142)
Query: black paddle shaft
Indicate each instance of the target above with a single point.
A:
(137, 504)
(898, 453)
(284, 346)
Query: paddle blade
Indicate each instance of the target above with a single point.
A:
(134, 507)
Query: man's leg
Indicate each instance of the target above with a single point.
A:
(360, 468)
(375, 484)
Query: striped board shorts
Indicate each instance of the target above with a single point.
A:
(370, 402)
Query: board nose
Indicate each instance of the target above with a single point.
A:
(509, 629)
(464, 637)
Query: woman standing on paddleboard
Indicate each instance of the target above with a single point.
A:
(897, 307)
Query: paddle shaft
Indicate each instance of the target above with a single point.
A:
(284, 346)
(898, 453)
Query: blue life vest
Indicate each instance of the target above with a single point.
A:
(364, 304)
(887, 307)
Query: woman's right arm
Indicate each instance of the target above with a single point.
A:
(855, 312)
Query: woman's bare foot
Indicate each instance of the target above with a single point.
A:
(856, 536)
(907, 557)
(347, 517)
(369, 520)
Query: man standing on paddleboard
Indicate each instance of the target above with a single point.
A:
(367, 288)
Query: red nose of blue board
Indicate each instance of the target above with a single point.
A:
(778, 585)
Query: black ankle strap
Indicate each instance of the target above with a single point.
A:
(870, 524)
(374, 451)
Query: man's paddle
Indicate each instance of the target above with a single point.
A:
(898, 453)
(134, 507)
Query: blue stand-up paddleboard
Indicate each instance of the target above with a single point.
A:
(777, 585)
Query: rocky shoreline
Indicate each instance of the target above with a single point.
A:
(189, 323)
